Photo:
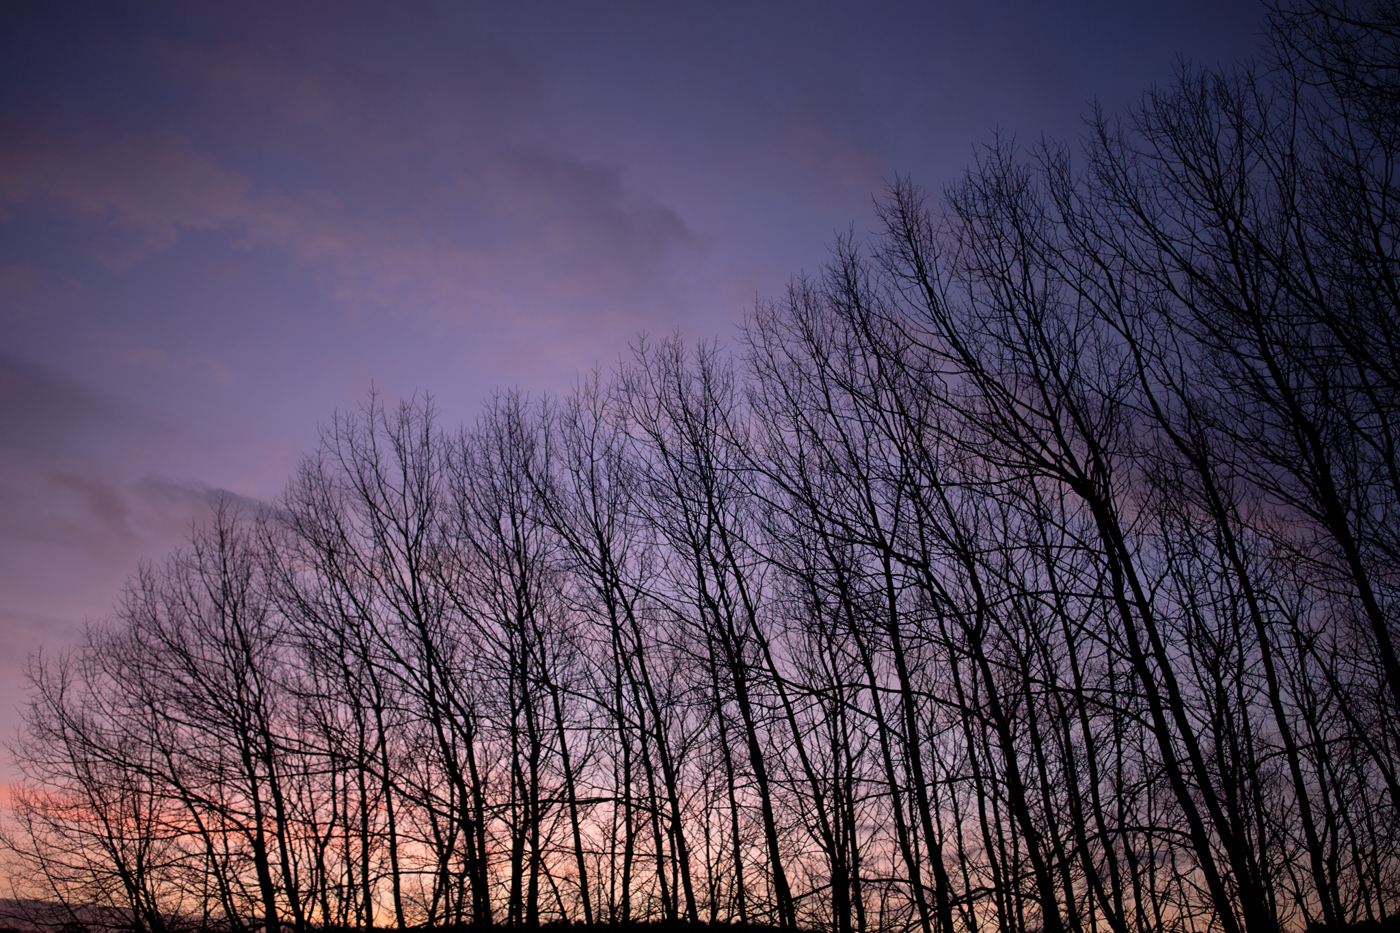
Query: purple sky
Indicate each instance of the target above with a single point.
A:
(222, 222)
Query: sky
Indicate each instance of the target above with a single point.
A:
(221, 223)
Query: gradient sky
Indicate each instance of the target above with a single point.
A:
(222, 222)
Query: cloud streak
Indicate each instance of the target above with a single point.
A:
(529, 227)
(75, 513)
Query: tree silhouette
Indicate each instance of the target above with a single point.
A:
(1033, 567)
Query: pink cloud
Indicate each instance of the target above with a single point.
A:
(573, 233)
(149, 185)
(156, 359)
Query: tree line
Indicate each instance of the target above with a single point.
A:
(1034, 567)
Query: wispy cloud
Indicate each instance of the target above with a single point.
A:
(532, 227)
(148, 186)
(74, 516)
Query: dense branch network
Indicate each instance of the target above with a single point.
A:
(1032, 568)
